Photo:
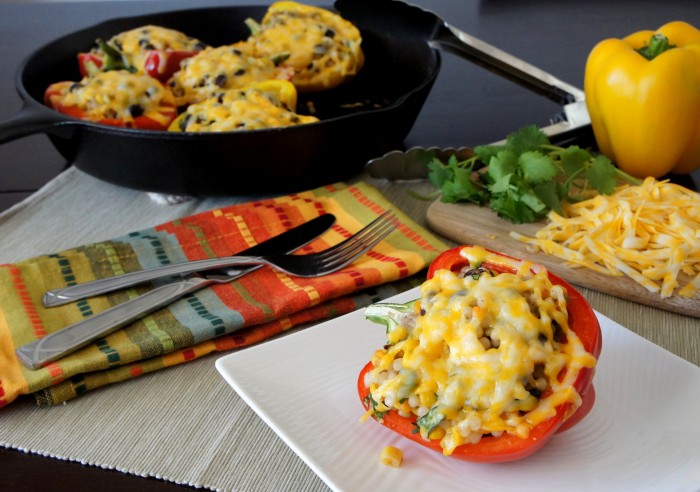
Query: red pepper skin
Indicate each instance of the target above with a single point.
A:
(52, 100)
(162, 65)
(85, 59)
(508, 447)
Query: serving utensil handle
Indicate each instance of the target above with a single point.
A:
(477, 51)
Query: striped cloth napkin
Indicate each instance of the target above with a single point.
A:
(224, 317)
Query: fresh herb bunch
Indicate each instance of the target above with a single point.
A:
(526, 177)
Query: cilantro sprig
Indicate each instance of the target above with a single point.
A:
(525, 178)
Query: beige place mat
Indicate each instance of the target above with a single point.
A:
(184, 425)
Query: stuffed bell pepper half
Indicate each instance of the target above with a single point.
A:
(494, 358)
(115, 98)
(148, 50)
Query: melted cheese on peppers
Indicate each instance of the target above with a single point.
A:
(214, 70)
(117, 94)
(136, 43)
(483, 357)
(245, 109)
(322, 48)
(651, 233)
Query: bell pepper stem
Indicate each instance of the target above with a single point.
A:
(657, 44)
(253, 26)
(392, 315)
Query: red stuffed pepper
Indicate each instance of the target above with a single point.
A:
(496, 357)
(150, 50)
(115, 98)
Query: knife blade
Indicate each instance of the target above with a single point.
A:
(286, 242)
(56, 345)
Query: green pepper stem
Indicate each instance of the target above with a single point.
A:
(657, 44)
(392, 315)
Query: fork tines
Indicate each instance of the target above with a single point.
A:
(358, 244)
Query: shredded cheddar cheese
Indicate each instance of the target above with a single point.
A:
(486, 356)
(651, 233)
(250, 108)
(214, 70)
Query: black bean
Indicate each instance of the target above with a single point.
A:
(330, 33)
(146, 44)
(135, 110)
(239, 72)
(221, 80)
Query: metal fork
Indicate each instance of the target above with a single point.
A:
(61, 343)
(329, 260)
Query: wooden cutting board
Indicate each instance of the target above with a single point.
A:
(471, 224)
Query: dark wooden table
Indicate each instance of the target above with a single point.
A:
(467, 106)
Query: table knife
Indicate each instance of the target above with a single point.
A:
(56, 345)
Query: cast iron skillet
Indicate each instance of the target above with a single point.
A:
(390, 89)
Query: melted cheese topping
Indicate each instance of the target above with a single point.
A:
(245, 109)
(214, 70)
(118, 94)
(136, 43)
(651, 233)
(485, 357)
(322, 48)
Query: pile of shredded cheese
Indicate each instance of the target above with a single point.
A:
(650, 233)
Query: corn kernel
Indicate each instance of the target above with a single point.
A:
(392, 456)
(436, 433)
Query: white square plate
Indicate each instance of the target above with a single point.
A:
(643, 433)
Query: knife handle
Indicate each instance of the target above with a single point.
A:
(73, 293)
(40, 352)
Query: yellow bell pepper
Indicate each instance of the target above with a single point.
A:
(643, 96)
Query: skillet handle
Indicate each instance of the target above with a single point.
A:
(466, 46)
(31, 120)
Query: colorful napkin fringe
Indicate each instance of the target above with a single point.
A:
(225, 317)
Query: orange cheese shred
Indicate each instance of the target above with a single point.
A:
(650, 232)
